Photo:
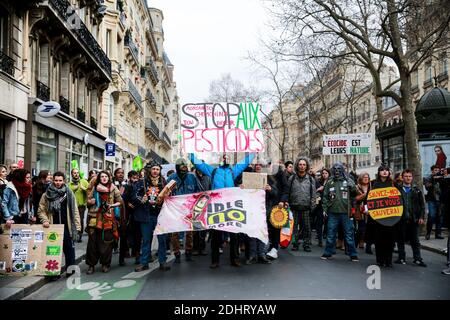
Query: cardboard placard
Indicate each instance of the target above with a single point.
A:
(252, 180)
(31, 250)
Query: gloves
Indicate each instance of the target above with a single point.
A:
(325, 214)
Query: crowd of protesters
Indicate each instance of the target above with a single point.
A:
(118, 214)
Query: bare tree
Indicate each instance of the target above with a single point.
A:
(282, 83)
(404, 32)
(227, 89)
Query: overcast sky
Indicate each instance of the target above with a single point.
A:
(207, 38)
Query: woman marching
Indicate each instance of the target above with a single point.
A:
(17, 204)
(104, 201)
(363, 188)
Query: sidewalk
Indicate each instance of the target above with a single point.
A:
(17, 287)
(435, 245)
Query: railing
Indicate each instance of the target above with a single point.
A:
(112, 133)
(93, 123)
(156, 157)
(134, 93)
(81, 115)
(153, 71)
(42, 91)
(82, 32)
(6, 64)
(122, 19)
(142, 151)
(151, 125)
(130, 44)
(166, 138)
(150, 97)
(442, 76)
(65, 105)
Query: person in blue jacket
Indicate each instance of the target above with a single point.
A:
(222, 177)
(187, 182)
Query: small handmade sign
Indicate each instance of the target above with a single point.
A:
(31, 250)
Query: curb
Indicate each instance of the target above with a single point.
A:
(18, 293)
(433, 249)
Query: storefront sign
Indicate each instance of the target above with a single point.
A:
(48, 109)
(221, 127)
(385, 205)
(358, 143)
(110, 149)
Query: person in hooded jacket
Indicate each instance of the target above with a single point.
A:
(300, 193)
(17, 203)
(187, 182)
(222, 176)
(338, 196)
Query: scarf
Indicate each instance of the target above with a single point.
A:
(24, 190)
(154, 180)
(75, 181)
(55, 197)
(106, 217)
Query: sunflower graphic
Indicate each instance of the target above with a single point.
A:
(278, 217)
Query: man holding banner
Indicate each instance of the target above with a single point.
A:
(222, 177)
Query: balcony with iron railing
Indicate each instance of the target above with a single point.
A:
(131, 88)
(42, 91)
(166, 138)
(82, 33)
(65, 105)
(153, 71)
(150, 98)
(112, 133)
(142, 151)
(93, 123)
(132, 47)
(151, 126)
(6, 64)
(81, 115)
(122, 19)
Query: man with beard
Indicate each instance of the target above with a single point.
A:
(300, 193)
(58, 206)
(187, 183)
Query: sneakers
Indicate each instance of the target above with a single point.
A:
(307, 248)
(236, 263)
(446, 271)
(250, 261)
(220, 250)
(419, 263)
(325, 257)
(272, 254)
(105, 269)
(400, 261)
(295, 248)
(141, 267)
(354, 258)
(214, 265)
(438, 236)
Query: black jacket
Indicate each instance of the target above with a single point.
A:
(417, 202)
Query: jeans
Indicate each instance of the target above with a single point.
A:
(404, 231)
(257, 248)
(434, 216)
(147, 229)
(334, 220)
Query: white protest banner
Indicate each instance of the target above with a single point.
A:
(231, 209)
(221, 127)
(357, 143)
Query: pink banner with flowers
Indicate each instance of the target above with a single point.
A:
(231, 209)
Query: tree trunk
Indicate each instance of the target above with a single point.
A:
(411, 136)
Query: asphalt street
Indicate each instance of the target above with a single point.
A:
(295, 275)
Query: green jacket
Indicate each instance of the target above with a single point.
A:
(338, 195)
(80, 191)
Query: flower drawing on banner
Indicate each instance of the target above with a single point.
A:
(52, 265)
